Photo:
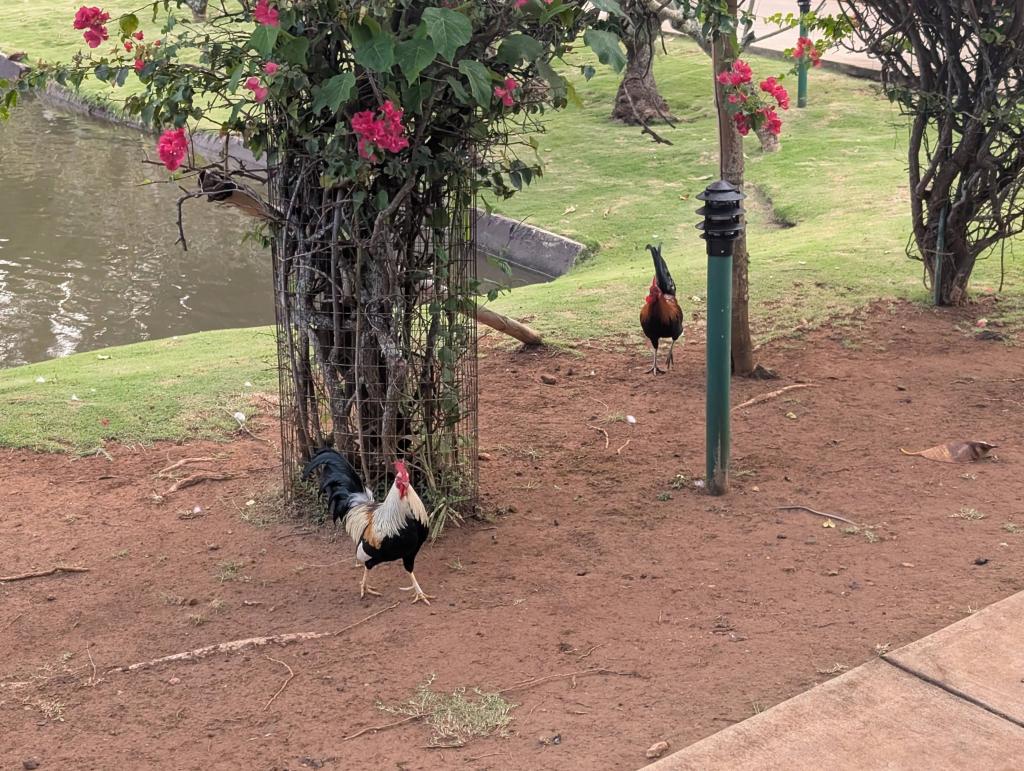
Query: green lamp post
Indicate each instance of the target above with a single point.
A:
(722, 225)
(801, 91)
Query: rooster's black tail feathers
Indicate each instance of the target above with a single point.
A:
(661, 274)
(339, 482)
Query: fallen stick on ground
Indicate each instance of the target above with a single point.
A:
(375, 728)
(40, 574)
(183, 462)
(773, 394)
(606, 442)
(250, 642)
(281, 689)
(819, 513)
(199, 476)
(548, 678)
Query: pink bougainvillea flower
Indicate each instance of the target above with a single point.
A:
(92, 16)
(95, 36)
(772, 121)
(504, 93)
(271, 68)
(128, 45)
(386, 132)
(805, 47)
(776, 89)
(92, 21)
(140, 35)
(172, 148)
(259, 91)
(265, 14)
(139, 64)
(742, 124)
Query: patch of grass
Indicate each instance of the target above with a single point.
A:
(228, 571)
(52, 709)
(265, 509)
(454, 718)
(870, 535)
(166, 389)
(968, 514)
(1012, 527)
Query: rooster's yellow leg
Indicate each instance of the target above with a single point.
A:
(419, 594)
(670, 347)
(365, 588)
(655, 368)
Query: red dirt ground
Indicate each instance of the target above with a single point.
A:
(720, 606)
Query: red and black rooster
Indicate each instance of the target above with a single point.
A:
(661, 315)
(393, 529)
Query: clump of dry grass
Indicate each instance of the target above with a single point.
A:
(968, 513)
(455, 718)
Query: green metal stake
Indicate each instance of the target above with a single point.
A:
(801, 92)
(719, 362)
(723, 223)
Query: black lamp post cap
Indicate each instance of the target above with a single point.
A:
(721, 192)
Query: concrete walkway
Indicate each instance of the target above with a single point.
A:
(954, 700)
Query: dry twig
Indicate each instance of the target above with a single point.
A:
(183, 462)
(619, 451)
(194, 479)
(819, 513)
(41, 573)
(548, 678)
(773, 394)
(291, 674)
(606, 441)
(375, 728)
(250, 642)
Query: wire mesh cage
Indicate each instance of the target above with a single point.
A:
(377, 339)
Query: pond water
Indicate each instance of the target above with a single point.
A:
(88, 257)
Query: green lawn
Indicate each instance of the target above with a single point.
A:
(828, 225)
(840, 179)
(164, 389)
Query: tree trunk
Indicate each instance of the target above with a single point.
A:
(638, 101)
(198, 8)
(769, 142)
(730, 166)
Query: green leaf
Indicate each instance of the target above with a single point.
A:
(449, 30)
(479, 78)
(236, 78)
(378, 53)
(606, 46)
(458, 90)
(294, 50)
(610, 6)
(263, 39)
(128, 24)
(334, 92)
(413, 56)
(519, 47)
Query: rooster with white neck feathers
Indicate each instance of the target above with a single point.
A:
(392, 529)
